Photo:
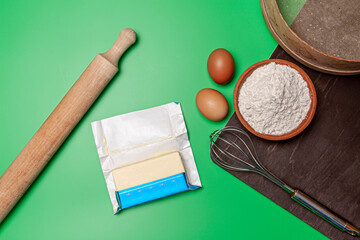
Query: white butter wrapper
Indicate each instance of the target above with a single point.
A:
(135, 136)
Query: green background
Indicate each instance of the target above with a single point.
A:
(46, 45)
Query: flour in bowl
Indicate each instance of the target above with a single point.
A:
(274, 99)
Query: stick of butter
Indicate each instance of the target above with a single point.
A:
(150, 179)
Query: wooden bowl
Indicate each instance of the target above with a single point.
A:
(303, 124)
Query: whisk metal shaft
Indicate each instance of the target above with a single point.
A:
(232, 148)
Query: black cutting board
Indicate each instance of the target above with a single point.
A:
(323, 160)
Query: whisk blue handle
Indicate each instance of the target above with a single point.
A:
(323, 212)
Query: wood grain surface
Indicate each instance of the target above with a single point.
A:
(323, 160)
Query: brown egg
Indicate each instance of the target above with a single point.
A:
(212, 104)
(220, 66)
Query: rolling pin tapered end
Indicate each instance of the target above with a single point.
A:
(126, 38)
(129, 34)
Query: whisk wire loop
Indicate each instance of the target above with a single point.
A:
(235, 158)
(245, 157)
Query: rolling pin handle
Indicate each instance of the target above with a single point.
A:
(126, 38)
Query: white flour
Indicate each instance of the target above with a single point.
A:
(274, 99)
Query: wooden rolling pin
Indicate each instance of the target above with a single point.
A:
(42, 146)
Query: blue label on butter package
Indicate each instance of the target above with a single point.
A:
(152, 190)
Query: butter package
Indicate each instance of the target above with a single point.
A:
(145, 155)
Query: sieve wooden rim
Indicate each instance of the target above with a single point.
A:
(299, 49)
